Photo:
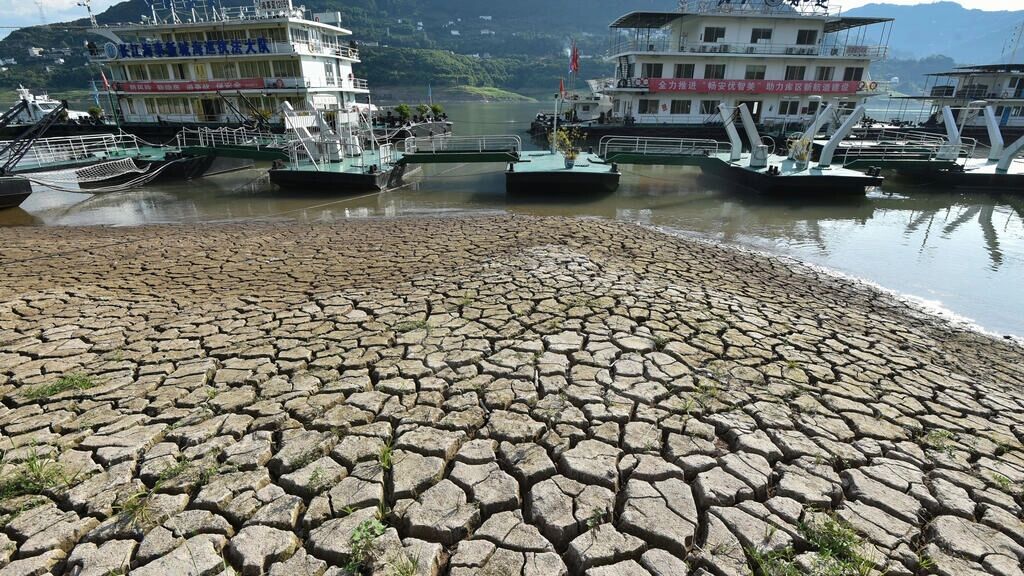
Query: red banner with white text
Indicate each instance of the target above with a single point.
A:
(190, 85)
(685, 85)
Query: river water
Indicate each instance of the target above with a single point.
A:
(959, 254)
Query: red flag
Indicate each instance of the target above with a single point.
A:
(106, 85)
(574, 59)
(561, 87)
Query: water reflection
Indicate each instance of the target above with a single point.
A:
(962, 251)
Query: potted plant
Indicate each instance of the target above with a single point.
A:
(568, 141)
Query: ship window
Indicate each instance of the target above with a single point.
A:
(650, 71)
(300, 35)
(286, 68)
(755, 72)
(708, 107)
(647, 106)
(138, 72)
(853, 74)
(681, 107)
(713, 33)
(795, 72)
(684, 71)
(789, 107)
(812, 107)
(179, 71)
(758, 34)
(224, 70)
(714, 71)
(824, 73)
(253, 69)
(158, 72)
(806, 37)
(215, 35)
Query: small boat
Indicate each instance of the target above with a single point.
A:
(32, 108)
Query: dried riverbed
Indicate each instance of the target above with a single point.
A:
(505, 395)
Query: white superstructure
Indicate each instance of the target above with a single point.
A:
(966, 90)
(187, 62)
(677, 67)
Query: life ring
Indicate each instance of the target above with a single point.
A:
(279, 83)
(873, 86)
(862, 85)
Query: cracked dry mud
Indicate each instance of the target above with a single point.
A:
(508, 395)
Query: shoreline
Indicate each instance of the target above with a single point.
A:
(560, 395)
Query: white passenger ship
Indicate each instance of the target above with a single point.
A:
(968, 89)
(187, 63)
(673, 69)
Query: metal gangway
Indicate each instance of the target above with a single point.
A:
(445, 148)
(67, 151)
(233, 142)
(659, 151)
(894, 147)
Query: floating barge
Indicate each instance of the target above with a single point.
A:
(759, 170)
(950, 161)
(547, 173)
(14, 191)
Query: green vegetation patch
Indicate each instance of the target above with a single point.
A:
(837, 552)
(361, 542)
(70, 381)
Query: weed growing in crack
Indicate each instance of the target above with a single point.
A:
(71, 381)
(36, 475)
(404, 566)
(940, 440)
(384, 456)
(774, 563)
(411, 326)
(596, 518)
(839, 547)
(138, 508)
(361, 542)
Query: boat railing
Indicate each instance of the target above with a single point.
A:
(654, 146)
(219, 137)
(667, 45)
(891, 145)
(386, 154)
(448, 144)
(60, 149)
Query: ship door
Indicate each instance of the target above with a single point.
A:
(1005, 118)
(755, 109)
(211, 110)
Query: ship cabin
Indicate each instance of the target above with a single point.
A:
(781, 60)
(190, 63)
(968, 89)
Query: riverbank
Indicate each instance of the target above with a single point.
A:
(534, 395)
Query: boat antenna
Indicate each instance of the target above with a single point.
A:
(87, 4)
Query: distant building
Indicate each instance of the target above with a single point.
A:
(488, 18)
(34, 52)
(456, 33)
(486, 32)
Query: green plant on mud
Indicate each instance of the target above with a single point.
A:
(385, 455)
(70, 381)
(361, 542)
(36, 474)
(837, 546)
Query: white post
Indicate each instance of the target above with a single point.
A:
(736, 145)
(825, 161)
(1008, 155)
(952, 132)
(995, 136)
(749, 126)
